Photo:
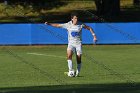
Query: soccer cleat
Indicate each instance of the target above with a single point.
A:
(77, 74)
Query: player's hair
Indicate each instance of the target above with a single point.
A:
(74, 14)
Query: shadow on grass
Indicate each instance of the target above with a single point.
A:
(87, 88)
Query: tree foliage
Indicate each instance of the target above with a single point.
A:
(108, 7)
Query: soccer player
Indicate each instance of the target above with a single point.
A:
(74, 29)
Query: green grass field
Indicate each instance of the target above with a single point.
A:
(40, 69)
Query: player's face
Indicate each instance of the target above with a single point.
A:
(75, 20)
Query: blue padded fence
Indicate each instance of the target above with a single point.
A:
(107, 33)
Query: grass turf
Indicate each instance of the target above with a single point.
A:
(105, 69)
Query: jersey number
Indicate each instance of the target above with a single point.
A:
(74, 34)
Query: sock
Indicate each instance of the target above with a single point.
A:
(79, 67)
(70, 64)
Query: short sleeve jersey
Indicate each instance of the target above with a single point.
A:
(74, 32)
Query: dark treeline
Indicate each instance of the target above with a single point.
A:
(36, 4)
(39, 3)
(136, 2)
(33, 2)
(104, 7)
(108, 7)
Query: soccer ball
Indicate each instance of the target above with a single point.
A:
(71, 73)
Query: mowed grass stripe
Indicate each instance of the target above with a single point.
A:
(39, 54)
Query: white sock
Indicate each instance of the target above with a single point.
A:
(79, 67)
(70, 65)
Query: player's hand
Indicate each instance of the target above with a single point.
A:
(46, 23)
(95, 39)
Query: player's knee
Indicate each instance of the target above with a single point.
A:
(69, 57)
(78, 59)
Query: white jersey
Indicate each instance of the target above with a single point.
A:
(74, 32)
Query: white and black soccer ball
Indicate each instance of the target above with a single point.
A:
(71, 73)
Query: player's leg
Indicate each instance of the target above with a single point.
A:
(69, 59)
(69, 56)
(79, 63)
(78, 57)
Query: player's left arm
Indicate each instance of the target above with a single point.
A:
(92, 32)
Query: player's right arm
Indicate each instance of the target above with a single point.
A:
(53, 24)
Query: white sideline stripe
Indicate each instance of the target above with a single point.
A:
(38, 54)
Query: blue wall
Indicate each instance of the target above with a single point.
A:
(15, 34)
(107, 33)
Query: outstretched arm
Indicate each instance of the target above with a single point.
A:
(92, 32)
(53, 24)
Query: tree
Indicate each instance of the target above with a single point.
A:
(136, 2)
(108, 7)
